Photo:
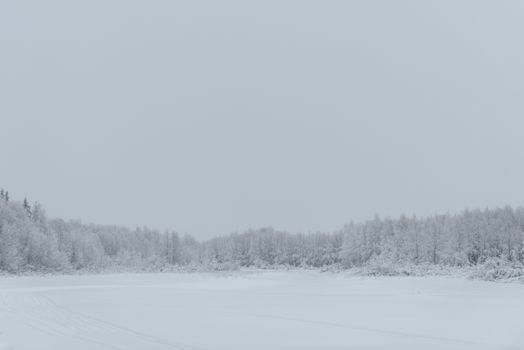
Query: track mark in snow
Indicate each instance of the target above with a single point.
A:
(110, 326)
(41, 313)
(384, 331)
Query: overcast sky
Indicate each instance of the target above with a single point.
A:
(209, 117)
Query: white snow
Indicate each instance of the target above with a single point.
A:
(266, 310)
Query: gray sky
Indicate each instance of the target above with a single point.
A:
(214, 116)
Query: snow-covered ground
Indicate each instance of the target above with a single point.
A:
(269, 310)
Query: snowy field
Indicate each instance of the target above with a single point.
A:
(269, 310)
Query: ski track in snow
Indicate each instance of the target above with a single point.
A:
(42, 314)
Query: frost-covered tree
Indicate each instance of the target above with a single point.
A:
(30, 241)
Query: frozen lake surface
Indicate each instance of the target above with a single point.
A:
(251, 310)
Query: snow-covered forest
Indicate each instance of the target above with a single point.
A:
(29, 241)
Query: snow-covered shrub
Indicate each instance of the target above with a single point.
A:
(495, 269)
(214, 265)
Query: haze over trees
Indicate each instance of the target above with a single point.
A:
(29, 241)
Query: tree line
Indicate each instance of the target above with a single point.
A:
(29, 241)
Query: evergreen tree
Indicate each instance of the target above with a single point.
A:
(27, 207)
